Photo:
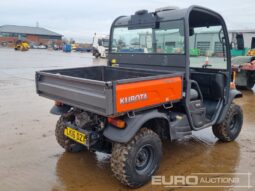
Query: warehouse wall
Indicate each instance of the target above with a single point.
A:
(35, 39)
(42, 39)
(247, 38)
(8, 41)
(208, 43)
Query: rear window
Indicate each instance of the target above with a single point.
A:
(167, 39)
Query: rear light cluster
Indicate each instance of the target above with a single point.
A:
(117, 122)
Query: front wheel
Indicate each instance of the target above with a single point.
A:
(134, 163)
(229, 129)
(97, 55)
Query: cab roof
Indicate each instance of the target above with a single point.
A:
(193, 13)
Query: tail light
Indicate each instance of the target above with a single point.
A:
(117, 122)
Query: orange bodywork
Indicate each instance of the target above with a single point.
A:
(137, 95)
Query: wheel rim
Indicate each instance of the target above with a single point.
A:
(234, 124)
(144, 159)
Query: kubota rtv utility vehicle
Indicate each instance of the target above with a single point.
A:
(151, 90)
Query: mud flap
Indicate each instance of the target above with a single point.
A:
(232, 95)
(59, 110)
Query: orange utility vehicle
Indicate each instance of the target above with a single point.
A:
(151, 90)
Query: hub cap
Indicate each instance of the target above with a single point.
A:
(144, 159)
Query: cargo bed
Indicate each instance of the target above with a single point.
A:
(106, 90)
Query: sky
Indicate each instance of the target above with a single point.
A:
(80, 19)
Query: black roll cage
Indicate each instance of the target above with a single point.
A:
(183, 61)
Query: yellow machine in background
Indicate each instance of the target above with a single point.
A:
(74, 46)
(251, 52)
(21, 45)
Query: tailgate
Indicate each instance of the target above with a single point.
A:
(148, 93)
(90, 95)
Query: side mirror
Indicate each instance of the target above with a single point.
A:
(222, 37)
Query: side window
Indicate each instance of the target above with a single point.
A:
(100, 42)
(207, 48)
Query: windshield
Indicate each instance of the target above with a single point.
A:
(105, 42)
(207, 48)
(167, 39)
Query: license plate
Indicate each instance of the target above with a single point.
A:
(75, 135)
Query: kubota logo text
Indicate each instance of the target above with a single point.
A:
(134, 98)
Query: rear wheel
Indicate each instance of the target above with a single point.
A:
(68, 144)
(134, 163)
(229, 129)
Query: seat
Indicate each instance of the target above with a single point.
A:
(211, 84)
(193, 94)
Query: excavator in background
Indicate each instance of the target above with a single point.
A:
(21, 45)
(251, 52)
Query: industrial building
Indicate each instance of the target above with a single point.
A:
(208, 43)
(245, 38)
(9, 34)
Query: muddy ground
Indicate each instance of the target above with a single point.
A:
(31, 159)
